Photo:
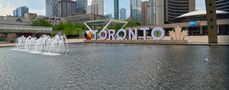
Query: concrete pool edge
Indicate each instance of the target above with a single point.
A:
(140, 42)
(150, 42)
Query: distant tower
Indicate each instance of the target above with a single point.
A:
(136, 10)
(51, 8)
(165, 11)
(175, 8)
(81, 6)
(20, 11)
(145, 13)
(66, 8)
(97, 7)
(116, 9)
(122, 13)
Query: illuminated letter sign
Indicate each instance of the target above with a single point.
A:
(157, 33)
(133, 34)
(118, 34)
(103, 34)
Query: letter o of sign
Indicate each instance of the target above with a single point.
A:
(158, 33)
(103, 34)
(121, 37)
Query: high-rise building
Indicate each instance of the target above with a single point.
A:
(122, 13)
(81, 6)
(152, 11)
(51, 8)
(96, 7)
(66, 8)
(175, 8)
(146, 13)
(165, 11)
(222, 5)
(136, 10)
(20, 11)
(116, 9)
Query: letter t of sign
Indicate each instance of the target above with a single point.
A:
(144, 32)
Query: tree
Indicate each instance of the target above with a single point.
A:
(41, 22)
(71, 30)
(115, 26)
(133, 24)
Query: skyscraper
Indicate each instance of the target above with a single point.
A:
(136, 10)
(146, 13)
(122, 13)
(51, 8)
(20, 11)
(153, 11)
(222, 5)
(175, 8)
(165, 11)
(81, 6)
(116, 9)
(96, 7)
(66, 8)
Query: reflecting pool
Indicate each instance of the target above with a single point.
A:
(118, 67)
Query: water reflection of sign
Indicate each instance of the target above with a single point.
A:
(194, 24)
(157, 33)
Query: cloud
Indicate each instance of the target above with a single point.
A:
(6, 8)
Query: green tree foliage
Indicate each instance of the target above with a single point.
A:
(41, 22)
(115, 26)
(70, 29)
(133, 24)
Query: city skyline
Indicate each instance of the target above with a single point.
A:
(35, 6)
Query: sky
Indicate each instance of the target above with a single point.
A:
(38, 6)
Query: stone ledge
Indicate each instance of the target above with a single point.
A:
(138, 41)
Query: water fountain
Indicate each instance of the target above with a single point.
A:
(44, 45)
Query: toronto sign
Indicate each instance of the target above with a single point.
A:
(157, 33)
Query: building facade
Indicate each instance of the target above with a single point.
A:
(20, 11)
(152, 11)
(222, 5)
(166, 11)
(81, 6)
(157, 12)
(123, 14)
(96, 7)
(116, 9)
(84, 17)
(66, 8)
(52, 8)
(136, 10)
(175, 8)
(146, 13)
